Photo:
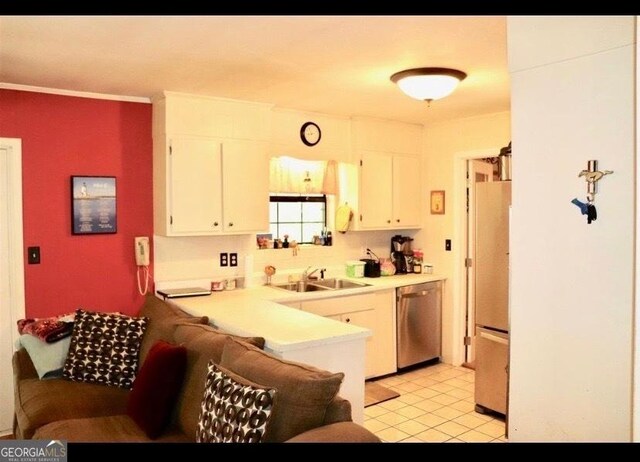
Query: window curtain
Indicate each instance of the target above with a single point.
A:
(297, 176)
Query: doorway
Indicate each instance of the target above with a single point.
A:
(11, 268)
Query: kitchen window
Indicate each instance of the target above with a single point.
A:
(299, 216)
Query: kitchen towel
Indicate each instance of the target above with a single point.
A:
(343, 218)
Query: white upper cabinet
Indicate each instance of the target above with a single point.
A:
(195, 177)
(210, 166)
(245, 186)
(407, 191)
(376, 189)
(390, 187)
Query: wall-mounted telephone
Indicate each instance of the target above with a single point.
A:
(142, 251)
(142, 260)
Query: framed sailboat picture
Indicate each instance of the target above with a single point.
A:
(93, 205)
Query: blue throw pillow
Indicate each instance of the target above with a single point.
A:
(48, 358)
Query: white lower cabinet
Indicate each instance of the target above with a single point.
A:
(373, 311)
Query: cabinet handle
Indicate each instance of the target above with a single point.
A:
(398, 220)
(348, 320)
(215, 223)
(388, 221)
(231, 223)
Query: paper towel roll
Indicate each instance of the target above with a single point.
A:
(248, 271)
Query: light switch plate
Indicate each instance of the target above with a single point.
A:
(33, 255)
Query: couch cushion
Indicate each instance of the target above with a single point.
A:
(163, 319)
(341, 432)
(104, 349)
(304, 392)
(156, 388)
(117, 428)
(39, 402)
(233, 410)
(203, 343)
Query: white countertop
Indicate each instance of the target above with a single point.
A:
(255, 311)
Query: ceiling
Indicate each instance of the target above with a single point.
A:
(331, 64)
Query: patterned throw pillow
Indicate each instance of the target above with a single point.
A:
(234, 410)
(104, 349)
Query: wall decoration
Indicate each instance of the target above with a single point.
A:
(93, 205)
(437, 202)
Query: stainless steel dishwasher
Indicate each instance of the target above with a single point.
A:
(419, 322)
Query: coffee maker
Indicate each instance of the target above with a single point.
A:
(401, 253)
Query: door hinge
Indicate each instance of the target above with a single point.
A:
(170, 219)
(468, 262)
(467, 341)
(467, 199)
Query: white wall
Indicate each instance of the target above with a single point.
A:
(181, 258)
(572, 284)
(443, 142)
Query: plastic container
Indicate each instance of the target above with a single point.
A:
(355, 269)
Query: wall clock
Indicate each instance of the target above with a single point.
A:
(310, 133)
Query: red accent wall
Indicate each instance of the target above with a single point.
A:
(64, 136)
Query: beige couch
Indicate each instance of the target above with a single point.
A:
(72, 411)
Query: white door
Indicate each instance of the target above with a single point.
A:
(11, 269)
(6, 349)
(407, 193)
(196, 182)
(245, 186)
(376, 189)
(478, 171)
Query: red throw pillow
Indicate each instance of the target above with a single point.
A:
(156, 387)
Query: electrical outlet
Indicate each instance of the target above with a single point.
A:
(233, 259)
(224, 259)
(33, 255)
(447, 245)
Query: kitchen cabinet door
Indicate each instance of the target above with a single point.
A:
(194, 181)
(407, 191)
(366, 319)
(374, 311)
(376, 189)
(245, 186)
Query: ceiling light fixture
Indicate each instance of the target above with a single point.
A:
(428, 83)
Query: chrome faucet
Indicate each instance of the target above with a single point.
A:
(306, 274)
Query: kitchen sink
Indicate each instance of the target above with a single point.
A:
(301, 286)
(339, 284)
(320, 285)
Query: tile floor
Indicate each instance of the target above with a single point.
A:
(435, 405)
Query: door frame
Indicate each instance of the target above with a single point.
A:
(460, 236)
(471, 248)
(14, 265)
(15, 230)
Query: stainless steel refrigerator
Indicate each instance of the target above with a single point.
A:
(491, 266)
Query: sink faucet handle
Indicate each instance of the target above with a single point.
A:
(306, 273)
(322, 271)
